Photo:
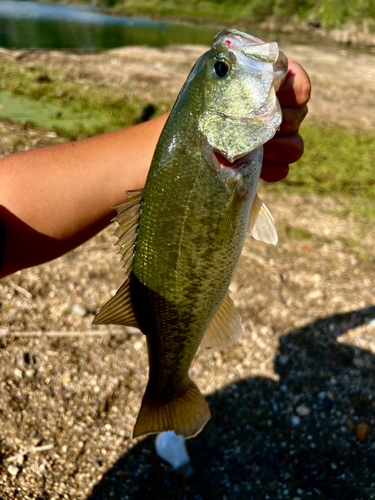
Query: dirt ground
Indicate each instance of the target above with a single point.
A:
(293, 403)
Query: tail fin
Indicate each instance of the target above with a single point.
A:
(186, 415)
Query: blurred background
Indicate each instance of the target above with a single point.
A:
(293, 402)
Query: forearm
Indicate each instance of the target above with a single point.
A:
(53, 199)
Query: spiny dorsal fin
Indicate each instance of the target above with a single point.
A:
(261, 224)
(128, 213)
(225, 328)
(118, 310)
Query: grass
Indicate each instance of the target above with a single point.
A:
(328, 13)
(300, 234)
(72, 109)
(337, 162)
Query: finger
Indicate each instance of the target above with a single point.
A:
(296, 89)
(284, 149)
(292, 118)
(273, 172)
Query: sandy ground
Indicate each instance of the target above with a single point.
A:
(288, 402)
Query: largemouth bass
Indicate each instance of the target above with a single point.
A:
(182, 236)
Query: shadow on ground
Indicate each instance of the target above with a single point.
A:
(256, 446)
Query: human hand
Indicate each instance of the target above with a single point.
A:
(287, 145)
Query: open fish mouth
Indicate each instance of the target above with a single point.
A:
(233, 165)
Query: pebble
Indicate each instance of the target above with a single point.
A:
(362, 431)
(139, 345)
(295, 420)
(303, 410)
(132, 330)
(78, 310)
(13, 470)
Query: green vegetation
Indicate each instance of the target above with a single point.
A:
(328, 13)
(300, 234)
(338, 163)
(42, 97)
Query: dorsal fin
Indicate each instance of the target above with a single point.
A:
(261, 224)
(128, 213)
(119, 310)
(225, 328)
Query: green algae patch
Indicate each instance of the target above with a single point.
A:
(22, 109)
(50, 99)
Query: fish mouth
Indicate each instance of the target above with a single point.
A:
(233, 165)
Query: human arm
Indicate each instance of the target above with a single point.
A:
(53, 199)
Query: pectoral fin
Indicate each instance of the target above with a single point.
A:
(225, 328)
(261, 224)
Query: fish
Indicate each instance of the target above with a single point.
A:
(181, 237)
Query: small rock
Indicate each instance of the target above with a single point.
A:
(315, 294)
(303, 410)
(78, 310)
(18, 373)
(13, 470)
(283, 359)
(132, 330)
(138, 345)
(362, 431)
(296, 420)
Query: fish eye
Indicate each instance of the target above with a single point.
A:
(221, 68)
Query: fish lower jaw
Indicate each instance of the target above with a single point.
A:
(236, 165)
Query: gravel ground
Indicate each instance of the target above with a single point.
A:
(292, 403)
